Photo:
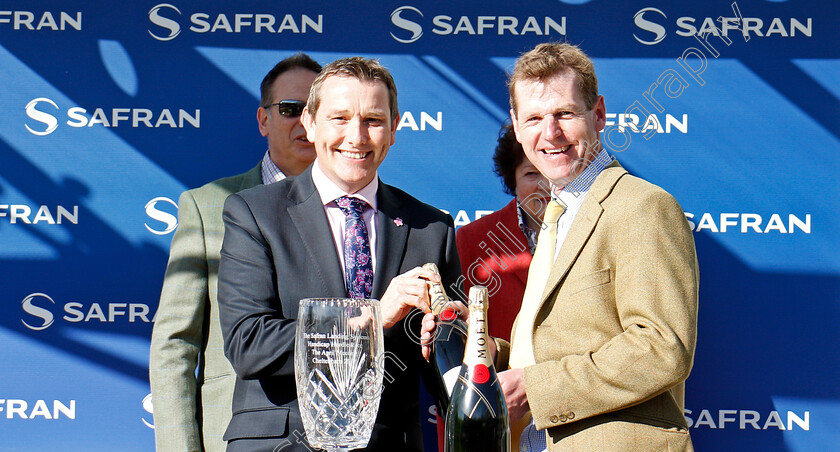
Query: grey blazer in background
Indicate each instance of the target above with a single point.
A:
(278, 249)
(191, 413)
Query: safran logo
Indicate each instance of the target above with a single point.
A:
(41, 110)
(650, 124)
(408, 20)
(23, 213)
(166, 19)
(20, 409)
(169, 220)
(652, 27)
(173, 28)
(749, 223)
(748, 420)
(43, 117)
(45, 315)
(30, 20)
(38, 309)
(405, 24)
(723, 27)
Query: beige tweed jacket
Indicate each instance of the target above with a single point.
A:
(191, 379)
(615, 335)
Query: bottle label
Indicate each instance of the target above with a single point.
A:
(477, 352)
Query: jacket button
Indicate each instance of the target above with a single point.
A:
(554, 419)
(570, 415)
(563, 418)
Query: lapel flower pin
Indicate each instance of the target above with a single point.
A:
(398, 221)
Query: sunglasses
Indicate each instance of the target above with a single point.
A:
(289, 108)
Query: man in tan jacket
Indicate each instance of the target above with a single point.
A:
(192, 381)
(605, 339)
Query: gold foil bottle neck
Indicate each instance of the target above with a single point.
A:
(479, 299)
(438, 300)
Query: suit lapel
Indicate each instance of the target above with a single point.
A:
(582, 226)
(307, 215)
(392, 225)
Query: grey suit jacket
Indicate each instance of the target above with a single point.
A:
(192, 412)
(615, 334)
(277, 250)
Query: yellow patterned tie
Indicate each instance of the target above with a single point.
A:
(522, 347)
(522, 351)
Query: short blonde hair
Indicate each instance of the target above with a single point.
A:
(549, 59)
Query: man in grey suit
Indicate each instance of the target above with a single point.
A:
(286, 242)
(191, 411)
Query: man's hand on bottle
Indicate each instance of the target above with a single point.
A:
(455, 309)
(405, 292)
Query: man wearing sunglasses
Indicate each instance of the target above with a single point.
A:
(192, 381)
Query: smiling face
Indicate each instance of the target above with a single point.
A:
(351, 130)
(287, 144)
(555, 127)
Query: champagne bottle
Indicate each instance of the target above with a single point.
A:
(477, 419)
(449, 339)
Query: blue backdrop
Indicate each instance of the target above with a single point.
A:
(108, 111)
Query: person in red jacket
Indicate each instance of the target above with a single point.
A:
(496, 249)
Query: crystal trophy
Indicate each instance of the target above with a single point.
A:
(339, 354)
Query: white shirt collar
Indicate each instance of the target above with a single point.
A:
(329, 191)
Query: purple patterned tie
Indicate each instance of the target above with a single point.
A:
(358, 267)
